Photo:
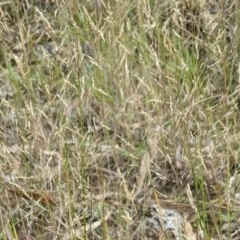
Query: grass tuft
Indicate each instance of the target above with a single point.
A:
(114, 112)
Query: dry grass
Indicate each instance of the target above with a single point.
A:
(109, 106)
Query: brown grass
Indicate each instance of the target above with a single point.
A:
(110, 107)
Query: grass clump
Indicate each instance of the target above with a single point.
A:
(109, 108)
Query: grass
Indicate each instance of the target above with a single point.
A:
(109, 106)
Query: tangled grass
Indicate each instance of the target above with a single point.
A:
(108, 106)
